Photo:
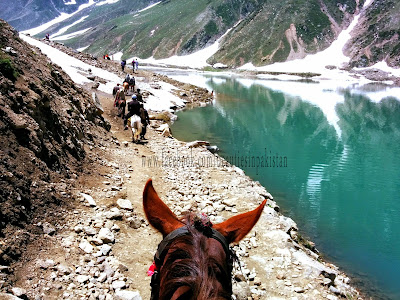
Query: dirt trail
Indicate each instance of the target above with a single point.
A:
(96, 243)
(114, 171)
(75, 263)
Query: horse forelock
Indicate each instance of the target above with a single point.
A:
(197, 263)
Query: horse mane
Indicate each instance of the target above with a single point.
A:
(198, 264)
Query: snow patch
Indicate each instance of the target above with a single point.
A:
(161, 99)
(150, 6)
(70, 35)
(195, 60)
(106, 2)
(82, 49)
(117, 56)
(62, 17)
(64, 29)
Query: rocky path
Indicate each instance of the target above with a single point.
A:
(105, 246)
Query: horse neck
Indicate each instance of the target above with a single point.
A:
(197, 267)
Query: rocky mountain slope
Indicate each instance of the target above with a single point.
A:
(261, 32)
(52, 131)
(45, 120)
(25, 14)
(377, 37)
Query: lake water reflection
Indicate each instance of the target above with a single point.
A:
(342, 179)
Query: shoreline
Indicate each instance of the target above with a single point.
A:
(272, 231)
(274, 263)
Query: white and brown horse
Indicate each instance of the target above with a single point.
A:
(136, 126)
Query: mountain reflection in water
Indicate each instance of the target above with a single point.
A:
(341, 181)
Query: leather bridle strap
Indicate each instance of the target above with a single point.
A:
(160, 254)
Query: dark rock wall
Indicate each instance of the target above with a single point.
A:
(45, 121)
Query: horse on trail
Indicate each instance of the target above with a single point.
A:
(136, 126)
(126, 87)
(194, 260)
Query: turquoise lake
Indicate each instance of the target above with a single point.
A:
(341, 183)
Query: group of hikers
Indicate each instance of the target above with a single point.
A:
(135, 65)
(135, 105)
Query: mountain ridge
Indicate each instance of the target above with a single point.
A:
(260, 32)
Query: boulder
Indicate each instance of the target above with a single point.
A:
(86, 246)
(127, 295)
(125, 204)
(48, 228)
(118, 284)
(165, 116)
(106, 235)
(19, 292)
(5, 296)
(195, 144)
(96, 101)
(89, 199)
(241, 290)
(82, 278)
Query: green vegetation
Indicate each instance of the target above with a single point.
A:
(211, 69)
(211, 28)
(7, 69)
(314, 26)
(379, 33)
(179, 27)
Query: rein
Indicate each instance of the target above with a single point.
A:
(183, 231)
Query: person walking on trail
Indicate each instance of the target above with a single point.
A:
(139, 96)
(120, 102)
(115, 89)
(133, 65)
(127, 78)
(133, 109)
(132, 83)
(144, 118)
(137, 64)
(123, 64)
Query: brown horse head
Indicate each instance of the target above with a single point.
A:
(193, 261)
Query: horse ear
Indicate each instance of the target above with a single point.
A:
(236, 228)
(157, 212)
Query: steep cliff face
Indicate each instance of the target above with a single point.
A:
(377, 37)
(45, 120)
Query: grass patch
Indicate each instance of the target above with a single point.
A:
(8, 70)
(211, 69)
